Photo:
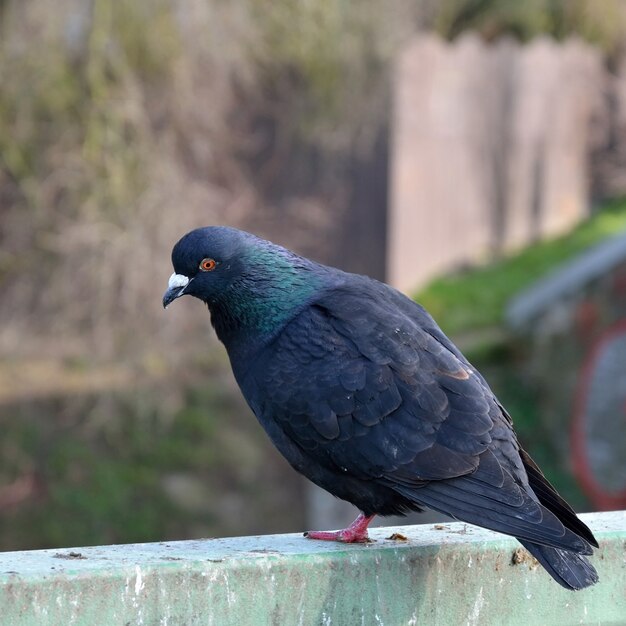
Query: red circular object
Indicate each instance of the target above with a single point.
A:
(598, 424)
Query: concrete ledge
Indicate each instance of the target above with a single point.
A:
(443, 574)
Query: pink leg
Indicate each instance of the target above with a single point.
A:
(355, 533)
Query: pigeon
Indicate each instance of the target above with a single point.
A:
(362, 393)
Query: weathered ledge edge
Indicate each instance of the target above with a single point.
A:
(438, 574)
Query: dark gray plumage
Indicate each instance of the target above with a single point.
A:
(361, 391)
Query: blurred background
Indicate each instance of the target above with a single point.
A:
(470, 152)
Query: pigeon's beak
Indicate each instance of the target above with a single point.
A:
(175, 288)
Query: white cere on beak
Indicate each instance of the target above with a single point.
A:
(177, 280)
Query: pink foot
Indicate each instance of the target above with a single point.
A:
(355, 533)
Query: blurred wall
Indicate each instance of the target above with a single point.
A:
(491, 149)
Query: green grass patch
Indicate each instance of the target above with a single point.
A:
(475, 299)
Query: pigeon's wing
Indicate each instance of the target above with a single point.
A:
(362, 388)
(367, 391)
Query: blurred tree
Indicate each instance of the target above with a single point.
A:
(601, 23)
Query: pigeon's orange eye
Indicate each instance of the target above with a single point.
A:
(208, 265)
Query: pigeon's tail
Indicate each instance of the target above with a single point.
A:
(571, 570)
(549, 497)
(536, 515)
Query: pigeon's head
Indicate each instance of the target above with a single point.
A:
(206, 261)
(247, 282)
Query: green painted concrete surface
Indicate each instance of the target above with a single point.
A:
(442, 574)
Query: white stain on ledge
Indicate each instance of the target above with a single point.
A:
(139, 581)
(476, 609)
(230, 595)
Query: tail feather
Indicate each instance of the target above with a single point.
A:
(531, 522)
(534, 514)
(572, 571)
(549, 497)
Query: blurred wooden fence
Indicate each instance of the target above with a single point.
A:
(489, 149)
